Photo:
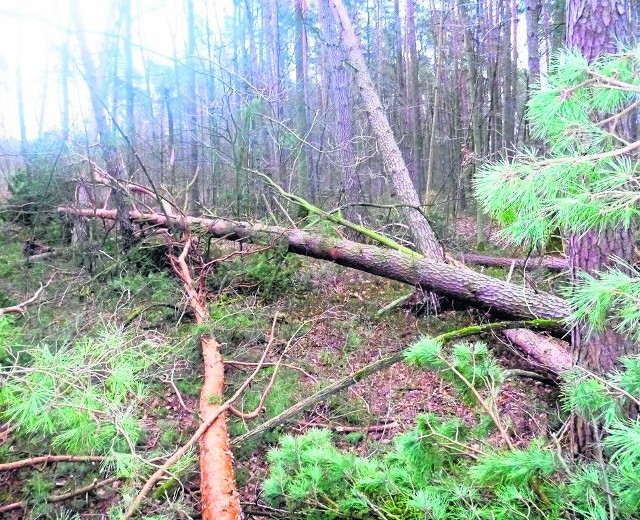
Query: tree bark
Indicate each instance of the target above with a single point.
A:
(309, 184)
(414, 111)
(459, 283)
(193, 161)
(439, 36)
(219, 496)
(343, 111)
(476, 113)
(597, 27)
(533, 40)
(554, 263)
(425, 239)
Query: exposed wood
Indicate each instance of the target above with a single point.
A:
(219, 497)
(458, 283)
(46, 459)
(554, 263)
(202, 429)
(22, 307)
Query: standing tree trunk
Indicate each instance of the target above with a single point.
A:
(23, 126)
(597, 27)
(192, 114)
(533, 40)
(436, 102)
(425, 238)
(413, 99)
(125, 8)
(108, 139)
(476, 116)
(343, 112)
(308, 182)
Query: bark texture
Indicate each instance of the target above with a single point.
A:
(339, 91)
(458, 283)
(597, 27)
(554, 263)
(219, 496)
(542, 349)
(425, 239)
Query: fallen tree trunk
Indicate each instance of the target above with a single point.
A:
(543, 349)
(219, 496)
(554, 263)
(459, 283)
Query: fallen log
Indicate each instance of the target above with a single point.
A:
(219, 496)
(456, 282)
(543, 349)
(554, 263)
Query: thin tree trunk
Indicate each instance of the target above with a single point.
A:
(436, 104)
(425, 238)
(476, 123)
(107, 138)
(308, 183)
(125, 8)
(413, 100)
(192, 115)
(338, 86)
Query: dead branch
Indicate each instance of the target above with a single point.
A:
(46, 459)
(153, 480)
(53, 499)
(349, 429)
(235, 363)
(260, 408)
(22, 307)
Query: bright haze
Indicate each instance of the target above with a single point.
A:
(34, 33)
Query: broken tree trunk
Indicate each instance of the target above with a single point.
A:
(219, 496)
(546, 351)
(554, 263)
(456, 282)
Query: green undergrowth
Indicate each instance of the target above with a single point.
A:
(268, 274)
(449, 468)
(83, 397)
(285, 392)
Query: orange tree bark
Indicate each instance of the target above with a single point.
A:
(219, 496)
(456, 282)
(597, 27)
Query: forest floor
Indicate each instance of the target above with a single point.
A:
(328, 327)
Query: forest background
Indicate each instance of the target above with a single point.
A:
(338, 123)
